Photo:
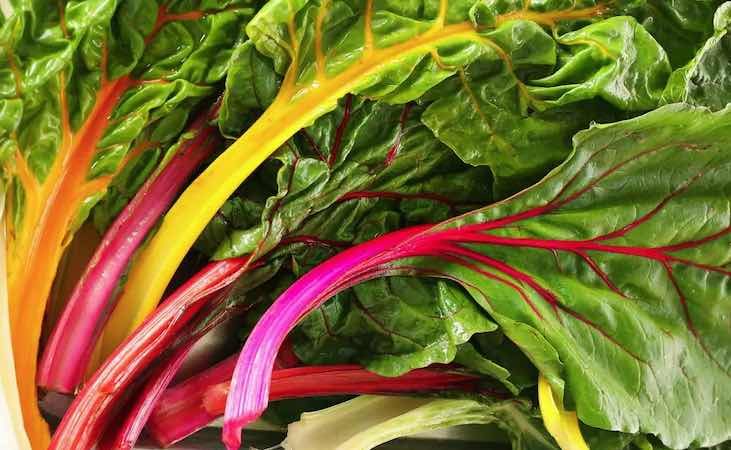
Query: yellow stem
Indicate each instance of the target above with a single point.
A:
(563, 425)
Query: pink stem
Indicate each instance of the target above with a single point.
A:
(72, 341)
(180, 412)
(251, 380)
(125, 436)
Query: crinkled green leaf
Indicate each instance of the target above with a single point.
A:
(502, 65)
(496, 110)
(251, 85)
(706, 79)
(615, 59)
(617, 265)
(144, 65)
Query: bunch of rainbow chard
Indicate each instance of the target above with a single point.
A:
(408, 215)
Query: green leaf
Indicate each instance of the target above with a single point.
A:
(667, 20)
(236, 214)
(619, 261)
(494, 355)
(706, 79)
(392, 326)
(486, 71)
(397, 53)
(621, 308)
(143, 66)
(495, 111)
(251, 85)
(469, 357)
(85, 87)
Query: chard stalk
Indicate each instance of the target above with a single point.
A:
(196, 402)
(71, 343)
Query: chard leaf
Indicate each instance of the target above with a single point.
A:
(634, 311)
(338, 169)
(631, 299)
(615, 59)
(706, 79)
(611, 275)
(86, 86)
(513, 376)
(363, 170)
(527, 87)
(251, 86)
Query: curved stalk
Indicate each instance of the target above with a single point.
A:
(70, 346)
(84, 422)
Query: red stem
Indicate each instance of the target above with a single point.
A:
(72, 340)
(198, 401)
(125, 437)
(335, 149)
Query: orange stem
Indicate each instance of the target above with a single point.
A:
(40, 243)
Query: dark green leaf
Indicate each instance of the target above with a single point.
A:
(392, 326)
(668, 20)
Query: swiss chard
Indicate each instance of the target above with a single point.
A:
(388, 326)
(352, 199)
(85, 421)
(11, 424)
(625, 319)
(195, 403)
(667, 20)
(706, 79)
(86, 87)
(397, 54)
